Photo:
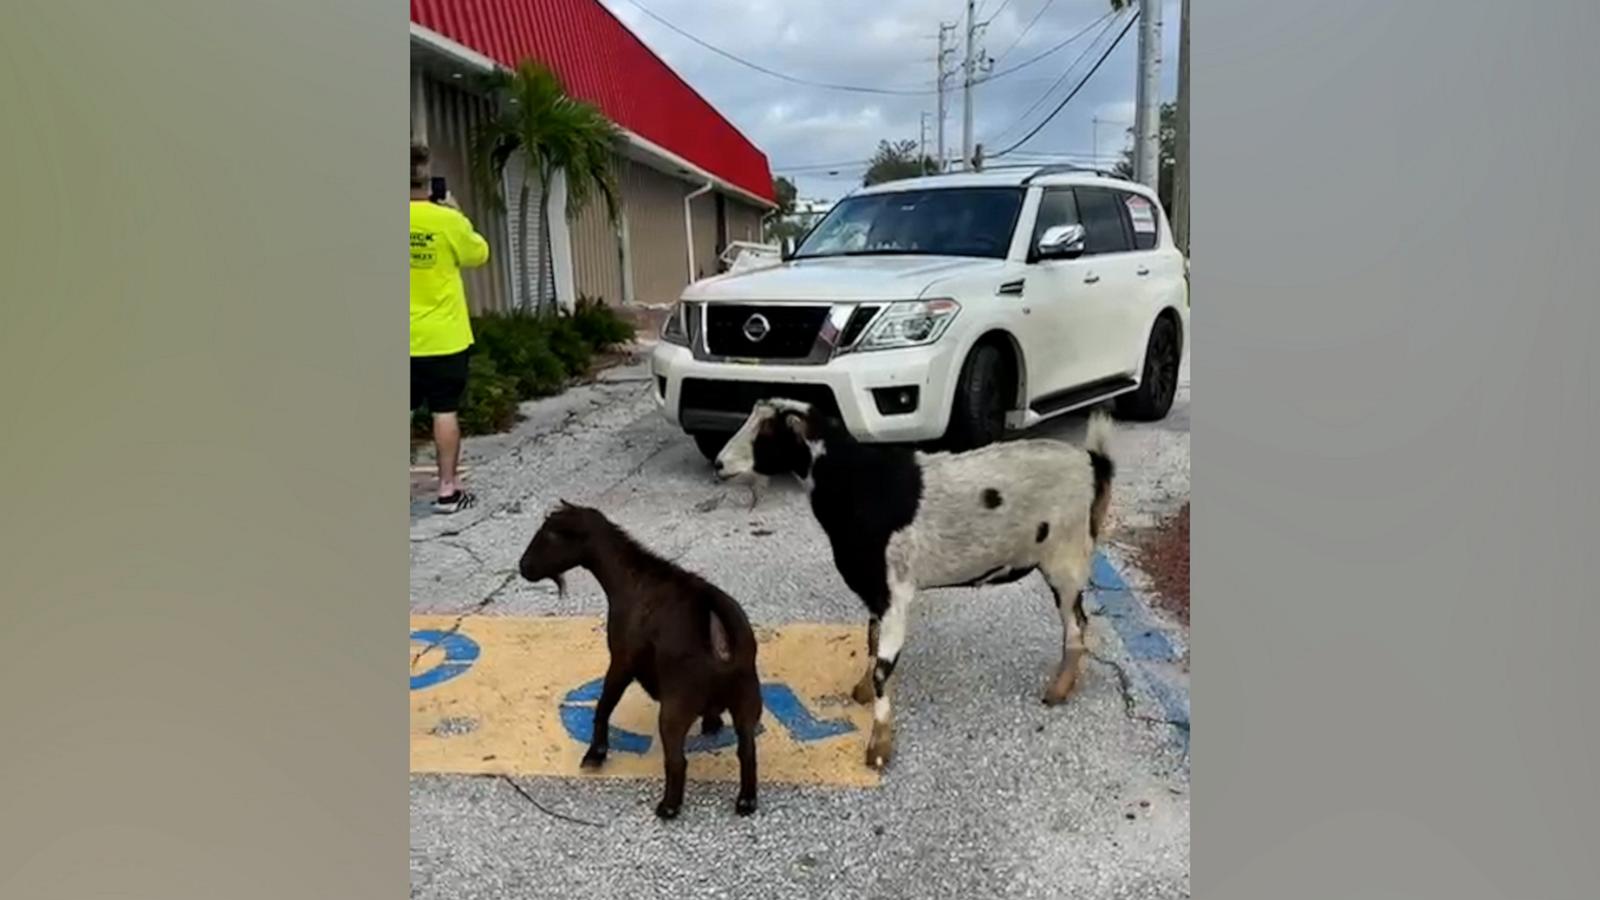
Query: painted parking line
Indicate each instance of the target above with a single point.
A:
(515, 696)
(1147, 645)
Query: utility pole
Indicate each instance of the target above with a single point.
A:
(944, 73)
(977, 62)
(922, 138)
(1147, 101)
(966, 92)
(1180, 173)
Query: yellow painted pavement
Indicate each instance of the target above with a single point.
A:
(501, 712)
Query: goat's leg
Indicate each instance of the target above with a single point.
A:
(618, 678)
(746, 715)
(1066, 569)
(864, 692)
(891, 638)
(711, 723)
(676, 717)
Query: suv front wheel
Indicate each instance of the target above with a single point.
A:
(978, 415)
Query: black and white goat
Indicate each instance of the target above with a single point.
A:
(900, 520)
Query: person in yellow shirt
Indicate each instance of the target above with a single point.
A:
(443, 242)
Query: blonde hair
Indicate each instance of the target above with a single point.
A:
(419, 164)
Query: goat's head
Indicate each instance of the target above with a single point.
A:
(562, 542)
(780, 437)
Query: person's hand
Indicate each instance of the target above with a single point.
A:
(450, 201)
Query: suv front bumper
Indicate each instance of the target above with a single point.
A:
(716, 396)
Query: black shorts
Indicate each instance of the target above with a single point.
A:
(438, 382)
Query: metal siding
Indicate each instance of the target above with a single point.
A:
(704, 210)
(596, 259)
(452, 114)
(603, 62)
(512, 191)
(655, 234)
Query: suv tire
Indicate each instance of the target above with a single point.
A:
(978, 414)
(1159, 383)
(710, 442)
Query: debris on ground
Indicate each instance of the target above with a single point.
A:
(1163, 554)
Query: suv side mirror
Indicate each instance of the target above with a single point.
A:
(1061, 242)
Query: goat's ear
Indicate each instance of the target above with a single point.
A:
(566, 505)
(798, 423)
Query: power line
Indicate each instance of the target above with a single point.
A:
(1022, 65)
(1059, 80)
(854, 88)
(996, 12)
(1059, 106)
(1025, 29)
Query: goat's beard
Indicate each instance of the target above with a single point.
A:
(561, 585)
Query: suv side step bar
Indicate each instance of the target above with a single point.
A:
(1082, 394)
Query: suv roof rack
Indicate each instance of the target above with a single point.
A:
(1059, 168)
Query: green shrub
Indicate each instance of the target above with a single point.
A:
(490, 404)
(599, 324)
(519, 356)
(567, 343)
(519, 345)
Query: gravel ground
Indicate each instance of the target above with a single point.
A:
(990, 793)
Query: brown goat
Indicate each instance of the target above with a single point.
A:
(688, 644)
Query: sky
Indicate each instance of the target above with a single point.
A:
(891, 44)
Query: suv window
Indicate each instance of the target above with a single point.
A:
(1103, 220)
(933, 222)
(1056, 207)
(1142, 215)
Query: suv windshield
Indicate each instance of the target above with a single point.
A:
(931, 222)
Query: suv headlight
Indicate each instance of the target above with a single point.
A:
(675, 330)
(911, 323)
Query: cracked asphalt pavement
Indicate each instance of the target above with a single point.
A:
(990, 793)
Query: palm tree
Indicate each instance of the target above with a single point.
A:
(535, 117)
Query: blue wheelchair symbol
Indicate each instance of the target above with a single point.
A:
(577, 716)
(460, 652)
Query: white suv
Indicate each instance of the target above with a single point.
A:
(951, 307)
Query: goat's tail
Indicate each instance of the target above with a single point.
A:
(1097, 443)
(732, 638)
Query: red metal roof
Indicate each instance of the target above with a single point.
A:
(603, 62)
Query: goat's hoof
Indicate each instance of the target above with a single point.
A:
(880, 749)
(663, 811)
(594, 759)
(710, 724)
(863, 693)
(744, 806)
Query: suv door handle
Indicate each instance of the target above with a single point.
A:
(1144, 270)
(1090, 278)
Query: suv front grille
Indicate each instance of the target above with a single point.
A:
(741, 396)
(791, 330)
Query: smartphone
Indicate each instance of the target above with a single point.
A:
(438, 192)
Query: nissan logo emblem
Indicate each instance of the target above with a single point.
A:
(756, 327)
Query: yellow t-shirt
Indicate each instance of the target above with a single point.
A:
(443, 243)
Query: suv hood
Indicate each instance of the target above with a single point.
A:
(839, 278)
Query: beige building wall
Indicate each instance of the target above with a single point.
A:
(744, 221)
(704, 210)
(656, 244)
(597, 251)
